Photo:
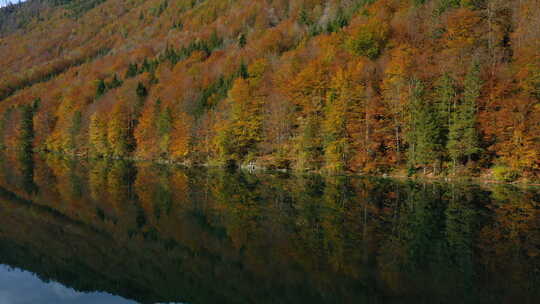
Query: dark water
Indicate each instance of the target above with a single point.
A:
(119, 232)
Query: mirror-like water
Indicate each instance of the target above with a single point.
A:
(19, 286)
(122, 232)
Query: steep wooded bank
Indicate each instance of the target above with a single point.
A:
(435, 86)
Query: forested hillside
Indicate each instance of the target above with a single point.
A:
(368, 86)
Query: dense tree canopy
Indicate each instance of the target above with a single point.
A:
(435, 86)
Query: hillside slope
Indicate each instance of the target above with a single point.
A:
(357, 85)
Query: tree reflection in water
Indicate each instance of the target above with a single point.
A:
(153, 233)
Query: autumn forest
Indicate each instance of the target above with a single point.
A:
(433, 87)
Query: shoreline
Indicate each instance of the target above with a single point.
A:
(262, 169)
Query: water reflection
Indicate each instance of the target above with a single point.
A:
(153, 233)
(22, 287)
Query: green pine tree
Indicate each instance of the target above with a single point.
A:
(242, 40)
(101, 88)
(26, 137)
(426, 132)
(141, 90)
(115, 82)
(463, 138)
(445, 100)
(132, 70)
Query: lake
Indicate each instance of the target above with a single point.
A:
(123, 232)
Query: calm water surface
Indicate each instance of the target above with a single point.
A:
(119, 232)
(18, 286)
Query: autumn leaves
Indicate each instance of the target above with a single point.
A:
(436, 86)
